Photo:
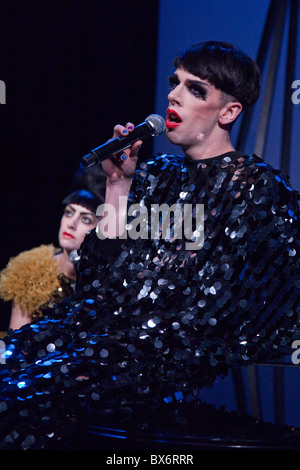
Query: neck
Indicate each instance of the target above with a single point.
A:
(207, 154)
(210, 147)
(65, 265)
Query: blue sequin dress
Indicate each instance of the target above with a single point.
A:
(155, 318)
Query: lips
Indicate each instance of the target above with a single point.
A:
(68, 236)
(173, 119)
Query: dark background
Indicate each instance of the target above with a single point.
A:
(73, 69)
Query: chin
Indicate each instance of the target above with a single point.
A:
(171, 136)
(67, 245)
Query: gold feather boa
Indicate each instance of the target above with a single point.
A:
(30, 279)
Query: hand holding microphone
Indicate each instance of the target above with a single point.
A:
(153, 125)
(120, 170)
(120, 167)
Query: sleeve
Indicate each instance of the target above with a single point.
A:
(96, 253)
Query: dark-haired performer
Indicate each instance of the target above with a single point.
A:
(37, 278)
(154, 321)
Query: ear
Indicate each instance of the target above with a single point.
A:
(230, 112)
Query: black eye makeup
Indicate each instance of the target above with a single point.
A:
(197, 88)
(173, 81)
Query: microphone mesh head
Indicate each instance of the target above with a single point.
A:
(157, 122)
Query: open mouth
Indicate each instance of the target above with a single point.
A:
(173, 119)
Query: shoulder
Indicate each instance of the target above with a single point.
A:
(259, 182)
(257, 166)
(272, 181)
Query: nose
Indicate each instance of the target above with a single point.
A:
(174, 96)
(72, 222)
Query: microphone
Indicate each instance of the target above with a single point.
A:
(153, 125)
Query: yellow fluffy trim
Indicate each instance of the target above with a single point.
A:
(30, 278)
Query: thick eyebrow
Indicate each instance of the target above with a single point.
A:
(196, 82)
(81, 213)
(189, 81)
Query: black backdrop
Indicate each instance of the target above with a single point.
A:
(73, 69)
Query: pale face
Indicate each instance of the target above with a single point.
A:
(194, 114)
(75, 223)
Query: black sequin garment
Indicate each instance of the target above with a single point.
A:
(152, 322)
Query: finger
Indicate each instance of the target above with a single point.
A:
(120, 130)
(129, 126)
(120, 157)
(132, 153)
(135, 148)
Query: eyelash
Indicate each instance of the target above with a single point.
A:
(173, 82)
(68, 213)
(85, 219)
(197, 90)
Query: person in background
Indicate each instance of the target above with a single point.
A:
(37, 279)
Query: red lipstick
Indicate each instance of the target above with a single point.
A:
(68, 235)
(173, 119)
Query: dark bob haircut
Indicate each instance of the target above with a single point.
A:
(83, 198)
(226, 67)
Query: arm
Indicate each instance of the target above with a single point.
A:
(120, 170)
(18, 318)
